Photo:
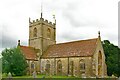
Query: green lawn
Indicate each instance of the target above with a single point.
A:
(45, 76)
(40, 76)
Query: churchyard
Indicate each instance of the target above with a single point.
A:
(47, 77)
(36, 76)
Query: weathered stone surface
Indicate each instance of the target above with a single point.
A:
(90, 64)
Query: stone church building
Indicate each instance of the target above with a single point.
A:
(77, 58)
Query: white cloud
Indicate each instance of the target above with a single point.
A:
(76, 19)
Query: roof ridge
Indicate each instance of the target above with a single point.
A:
(26, 46)
(74, 41)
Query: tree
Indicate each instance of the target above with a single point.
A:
(112, 53)
(0, 68)
(14, 61)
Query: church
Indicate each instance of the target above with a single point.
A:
(76, 58)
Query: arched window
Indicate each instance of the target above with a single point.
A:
(82, 65)
(71, 67)
(35, 32)
(99, 58)
(47, 67)
(99, 63)
(48, 33)
(32, 65)
(59, 67)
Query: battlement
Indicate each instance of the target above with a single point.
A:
(41, 20)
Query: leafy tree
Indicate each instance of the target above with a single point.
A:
(112, 53)
(14, 61)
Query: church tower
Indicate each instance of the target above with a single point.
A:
(42, 34)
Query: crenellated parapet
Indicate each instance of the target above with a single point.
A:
(41, 21)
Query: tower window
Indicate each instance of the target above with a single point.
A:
(35, 32)
(48, 33)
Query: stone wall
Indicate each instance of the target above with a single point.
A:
(76, 65)
(99, 50)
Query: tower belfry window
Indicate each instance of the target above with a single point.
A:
(35, 32)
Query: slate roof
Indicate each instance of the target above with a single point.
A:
(29, 52)
(72, 49)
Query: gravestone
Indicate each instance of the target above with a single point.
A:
(34, 74)
(83, 76)
(119, 78)
(9, 76)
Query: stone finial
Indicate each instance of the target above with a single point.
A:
(99, 34)
(18, 42)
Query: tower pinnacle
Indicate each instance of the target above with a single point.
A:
(41, 9)
(54, 19)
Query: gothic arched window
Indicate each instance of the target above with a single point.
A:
(59, 67)
(35, 32)
(82, 65)
(99, 63)
(32, 65)
(99, 58)
(48, 33)
(47, 67)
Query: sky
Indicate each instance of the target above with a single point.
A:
(75, 19)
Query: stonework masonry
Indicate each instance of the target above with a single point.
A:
(83, 58)
(46, 32)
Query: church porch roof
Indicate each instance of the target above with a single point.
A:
(29, 52)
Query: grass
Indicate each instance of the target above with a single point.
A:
(40, 76)
(44, 76)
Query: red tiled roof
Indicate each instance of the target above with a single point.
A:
(29, 52)
(75, 48)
